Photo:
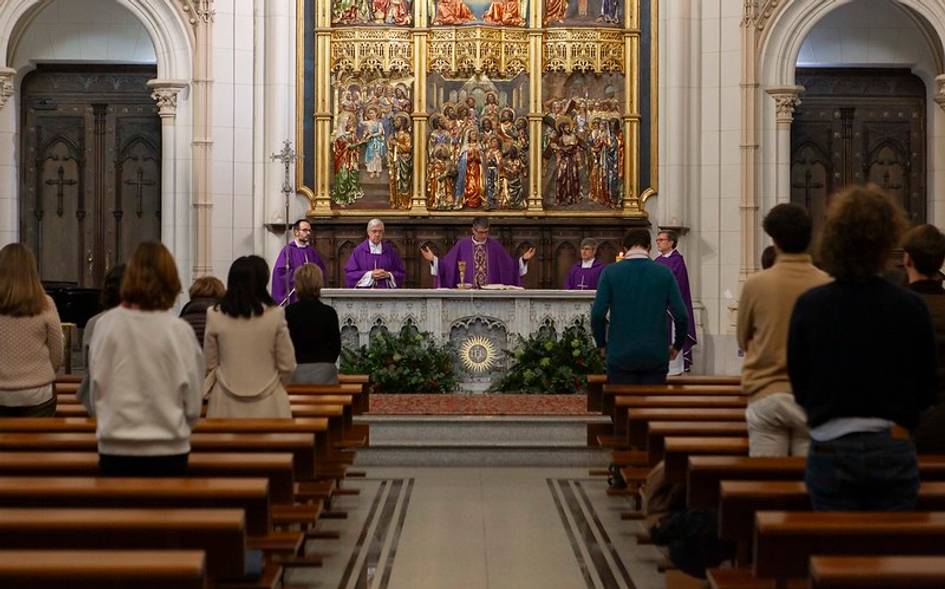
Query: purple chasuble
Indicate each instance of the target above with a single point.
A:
(583, 278)
(362, 260)
(677, 264)
(501, 268)
(297, 257)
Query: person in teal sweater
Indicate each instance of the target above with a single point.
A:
(637, 293)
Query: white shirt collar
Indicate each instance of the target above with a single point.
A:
(483, 242)
(669, 253)
(299, 244)
(636, 253)
(588, 263)
(376, 248)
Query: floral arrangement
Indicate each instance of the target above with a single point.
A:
(544, 363)
(409, 362)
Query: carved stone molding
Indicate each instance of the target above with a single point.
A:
(164, 93)
(757, 13)
(939, 91)
(371, 50)
(583, 50)
(6, 84)
(786, 99)
(465, 51)
(198, 11)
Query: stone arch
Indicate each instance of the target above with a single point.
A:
(773, 32)
(172, 26)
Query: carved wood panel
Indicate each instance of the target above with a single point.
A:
(856, 126)
(91, 168)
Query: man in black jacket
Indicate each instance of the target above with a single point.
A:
(861, 358)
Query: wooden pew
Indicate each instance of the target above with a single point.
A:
(220, 533)
(275, 468)
(251, 495)
(98, 569)
(877, 572)
(658, 431)
(626, 404)
(741, 500)
(595, 394)
(785, 541)
(301, 446)
(721, 379)
(612, 393)
(639, 419)
(363, 401)
(679, 449)
(706, 472)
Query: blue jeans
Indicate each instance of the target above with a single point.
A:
(617, 375)
(862, 472)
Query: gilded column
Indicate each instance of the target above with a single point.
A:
(535, 67)
(418, 204)
(631, 119)
(322, 155)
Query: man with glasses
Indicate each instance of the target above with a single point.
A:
(672, 259)
(293, 255)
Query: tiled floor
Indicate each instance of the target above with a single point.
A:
(478, 528)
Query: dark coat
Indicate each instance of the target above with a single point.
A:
(195, 313)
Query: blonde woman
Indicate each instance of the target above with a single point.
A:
(31, 346)
(313, 326)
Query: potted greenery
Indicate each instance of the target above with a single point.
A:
(408, 362)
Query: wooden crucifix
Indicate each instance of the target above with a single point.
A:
(808, 186)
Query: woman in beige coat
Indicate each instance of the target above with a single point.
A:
(247, 346)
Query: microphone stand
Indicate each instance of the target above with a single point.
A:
(287, 156)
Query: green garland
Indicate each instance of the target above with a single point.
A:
(409, 362)
(546, 364)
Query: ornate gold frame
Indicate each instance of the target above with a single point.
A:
(495, 51)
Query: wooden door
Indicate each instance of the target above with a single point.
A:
(855, 126)
(91, 168)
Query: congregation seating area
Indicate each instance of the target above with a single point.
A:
(256, 491)
(695, 427)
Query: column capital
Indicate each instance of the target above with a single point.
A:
(6, 84)
(786, 99)
(940, 91)
(165, 92)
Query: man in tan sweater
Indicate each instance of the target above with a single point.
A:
(776, 423)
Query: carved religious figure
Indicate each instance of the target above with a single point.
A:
(608, 11)
(400, 166)
(345, 155)
(565, 145)
(505, 12)
(555, 11)
(441, 174)
(375, 148)
(469, 173)
(363, 12)
(453, 12)
(494, 188)
(513, 171)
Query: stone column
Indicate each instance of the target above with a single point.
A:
(173, 218)
(786, 99)
(6, 84)
(202, 139)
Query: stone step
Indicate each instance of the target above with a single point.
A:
(479, 441)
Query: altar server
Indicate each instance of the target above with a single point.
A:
(585, 274)
(293, 255)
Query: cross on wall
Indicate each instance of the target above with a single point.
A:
(60, 183)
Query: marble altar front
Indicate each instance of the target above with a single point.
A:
(479, 323)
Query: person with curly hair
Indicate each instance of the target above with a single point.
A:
(861, 359)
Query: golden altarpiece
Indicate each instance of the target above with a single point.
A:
(540, 114)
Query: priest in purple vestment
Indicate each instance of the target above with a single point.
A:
(299, 251)
(486, 261)
(585, 274)
(672, 259)
(374, 263)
